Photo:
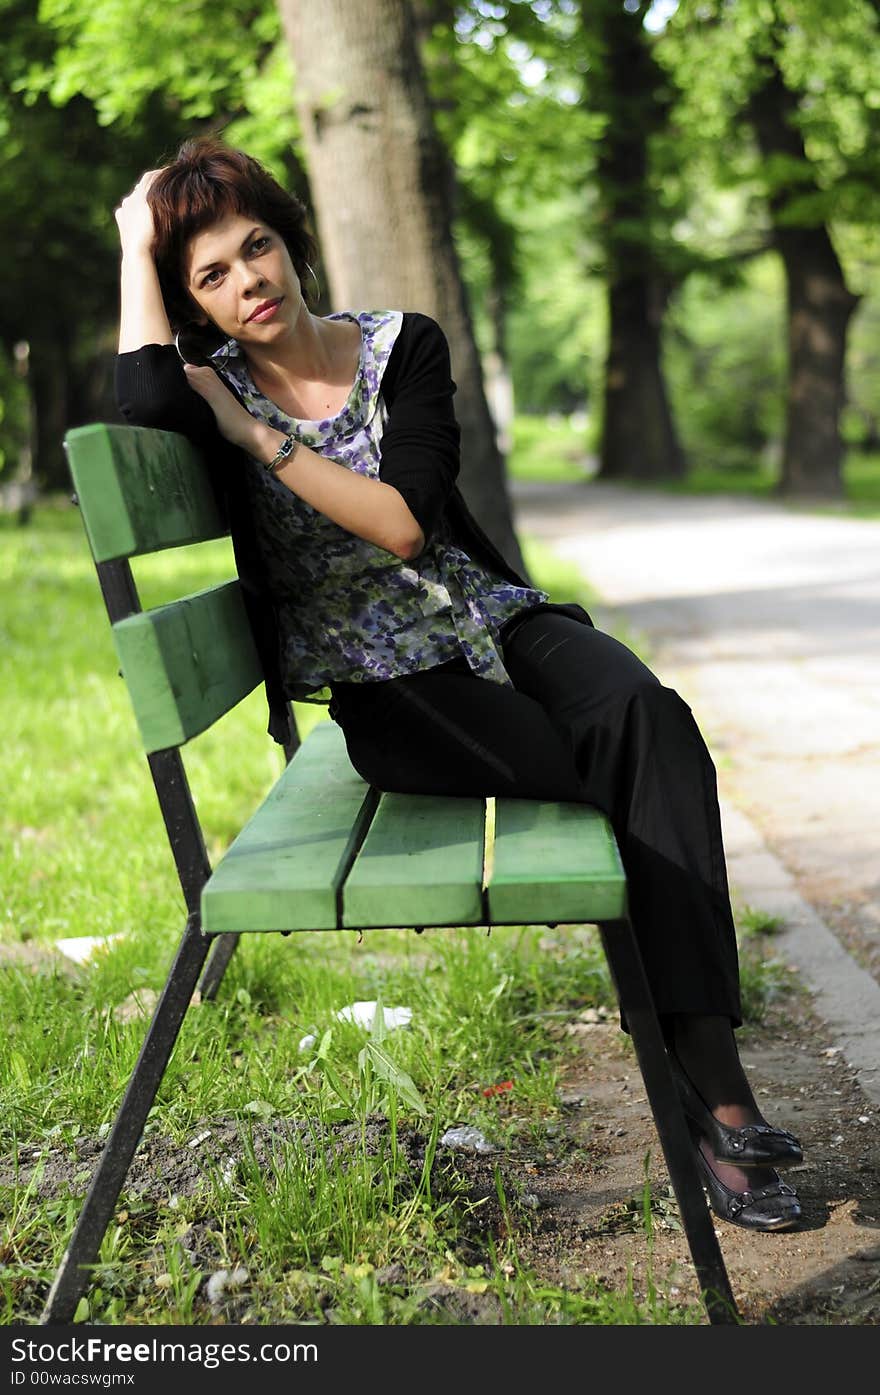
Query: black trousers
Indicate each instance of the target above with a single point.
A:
(584, 721)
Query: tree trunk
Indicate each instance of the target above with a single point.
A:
(383, 191)
(48, 380)
(820, 306)
(639, 440)
(499, 382)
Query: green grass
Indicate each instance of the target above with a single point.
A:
(83, 852)
(548, 448)
(861, 481)
(554, 450)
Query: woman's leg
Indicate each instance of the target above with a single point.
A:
(445, 731)
(641, 759)
(585, 721)
(588, 721)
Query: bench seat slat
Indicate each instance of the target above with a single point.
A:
(283, 870)
(140, 490)
(187, 663)
(554, 863)
(421, 864)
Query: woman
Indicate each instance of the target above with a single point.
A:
(336, 450)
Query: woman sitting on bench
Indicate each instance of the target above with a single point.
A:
(336, 450)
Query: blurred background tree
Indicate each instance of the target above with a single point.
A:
(655, 223)
(786, 98)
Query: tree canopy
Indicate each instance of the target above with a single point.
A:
(530, 108)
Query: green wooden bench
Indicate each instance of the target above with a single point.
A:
(324, 851)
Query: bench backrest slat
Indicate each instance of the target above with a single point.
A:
(140, 490)
(187, 663)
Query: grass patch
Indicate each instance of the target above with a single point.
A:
(555, 449)
(861, 482)
(563, 581)
(552, 448)
(754, 921)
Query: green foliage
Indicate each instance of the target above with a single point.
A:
(509, 100)
(92, 94)
(507, 88)
(861, 417)
(556, 328)
(826, 53)
(725, 365)
(56, 191)
(226, 65)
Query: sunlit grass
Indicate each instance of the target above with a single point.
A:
(556, 449)
(548, 448)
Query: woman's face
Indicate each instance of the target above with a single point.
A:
(240, 274)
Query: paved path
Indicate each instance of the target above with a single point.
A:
(767, 621)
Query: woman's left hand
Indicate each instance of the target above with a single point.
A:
(234, 421)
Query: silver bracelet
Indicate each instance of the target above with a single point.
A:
(283, 454)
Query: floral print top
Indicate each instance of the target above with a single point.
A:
(348, 610)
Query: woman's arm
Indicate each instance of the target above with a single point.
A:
(151, 389)
(421, 441)
(366, 507)
(142, 318)
(419, 449)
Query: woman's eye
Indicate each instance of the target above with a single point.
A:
(207, 281)
(259, 243)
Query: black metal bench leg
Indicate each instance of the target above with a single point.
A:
(73, 1274)
(637, 1003)
(218, 961)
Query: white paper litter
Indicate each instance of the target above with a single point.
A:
(468, 1137)
(363, 1013)
(82, 947)
(222, 1280)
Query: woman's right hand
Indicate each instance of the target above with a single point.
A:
(143, 318)
(134, 217)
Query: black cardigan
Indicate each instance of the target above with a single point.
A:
(419, 457)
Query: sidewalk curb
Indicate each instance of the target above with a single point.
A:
(844, 995)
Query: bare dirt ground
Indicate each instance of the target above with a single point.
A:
(827, 1271)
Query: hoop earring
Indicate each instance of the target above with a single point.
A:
(196, 347)
(311, 272)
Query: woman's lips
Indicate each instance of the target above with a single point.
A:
(267, 313)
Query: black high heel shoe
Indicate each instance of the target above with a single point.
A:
(754, 1145)
(774, 1207)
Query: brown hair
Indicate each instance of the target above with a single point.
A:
(204, 182)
